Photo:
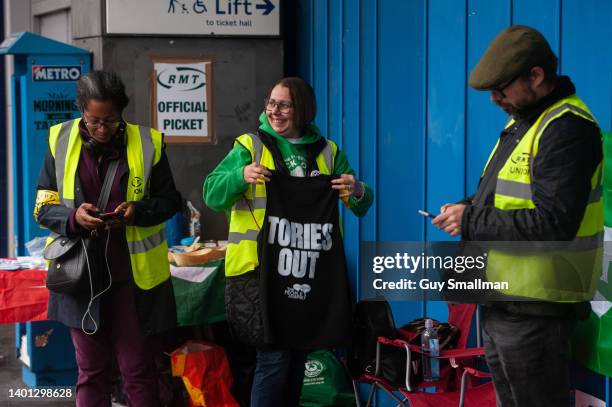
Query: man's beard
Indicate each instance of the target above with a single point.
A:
(528, 101)
(508, 108)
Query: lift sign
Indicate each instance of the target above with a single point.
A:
(55, 73)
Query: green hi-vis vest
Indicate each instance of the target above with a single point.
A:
(567, 275)
(147, 245)
(248, 213)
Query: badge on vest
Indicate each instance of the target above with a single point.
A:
(315, 173)
(137, 185)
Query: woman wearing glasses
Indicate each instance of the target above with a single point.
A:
(98, 164)
(285, 129)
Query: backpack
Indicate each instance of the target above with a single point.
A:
(447, 334)
(371, 319)
(393, 359)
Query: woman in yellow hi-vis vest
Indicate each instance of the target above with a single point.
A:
(286, 137)
(100, 164)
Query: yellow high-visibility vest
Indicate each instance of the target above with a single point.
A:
(569, 275)
(147, 245)
(249, 212)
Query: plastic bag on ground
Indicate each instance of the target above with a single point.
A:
(205, 372)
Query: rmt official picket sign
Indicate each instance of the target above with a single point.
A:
(182, 97)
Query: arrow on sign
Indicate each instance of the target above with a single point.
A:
(267, 5)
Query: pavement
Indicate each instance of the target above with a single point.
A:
(11, 383)
(10, 377)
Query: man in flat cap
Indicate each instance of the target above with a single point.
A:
(541, 183)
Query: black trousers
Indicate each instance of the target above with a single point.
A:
(528, 357)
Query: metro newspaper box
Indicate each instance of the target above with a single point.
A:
(43, 89)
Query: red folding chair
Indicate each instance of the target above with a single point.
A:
(460, 381)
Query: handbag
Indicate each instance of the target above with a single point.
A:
(71, 259)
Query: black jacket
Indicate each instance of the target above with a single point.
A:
(156, 307)
(569, 151)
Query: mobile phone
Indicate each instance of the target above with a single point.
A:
(111, 216)
(426, 214)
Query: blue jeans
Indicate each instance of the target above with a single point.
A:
(279, 375)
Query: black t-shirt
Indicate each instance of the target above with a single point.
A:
(305, 291)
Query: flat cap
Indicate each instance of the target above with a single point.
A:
(514, 51)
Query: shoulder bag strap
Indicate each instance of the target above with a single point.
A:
(108, 183)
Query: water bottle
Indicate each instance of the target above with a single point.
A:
(194, 223)
(430, 347)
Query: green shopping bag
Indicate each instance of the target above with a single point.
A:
(325, 382)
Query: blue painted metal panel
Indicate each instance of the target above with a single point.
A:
(53, 364)
(3, 153)
(588, 381)
(446, 94)
(351, 132)
(42, 102)
(368, 114)
(16, 152)
(587, 54)
(401, 127)
(335, 79)
(445, 107)
(58, 354)
(335, 68)
(305, 38)
(392, 73)
(27, 43)
(543, 15)
(27, 183)
(484, 120)
(423, 136)
(320, 62)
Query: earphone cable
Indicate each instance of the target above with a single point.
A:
(91, 296)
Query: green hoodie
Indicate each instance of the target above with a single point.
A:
(225, 185)
(293, 151)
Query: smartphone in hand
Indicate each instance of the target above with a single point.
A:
(111, 218)
(426, 214)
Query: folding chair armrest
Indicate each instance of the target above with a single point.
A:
(377, 368)
(477, 373)
(398, 343)
(408, 369)
(444, 354)
(473, 372)
(457, 354)
(461, 353)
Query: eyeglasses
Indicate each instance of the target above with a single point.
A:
(96, 124)
(272, 104)
(499, 91)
